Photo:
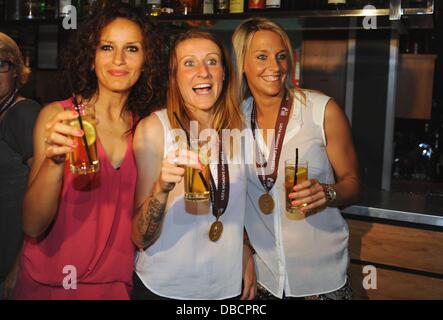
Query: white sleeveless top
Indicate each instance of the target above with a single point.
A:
(183, 263)
(302, 257)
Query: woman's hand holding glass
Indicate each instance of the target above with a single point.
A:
(173, 168)
(309, 196)
(58, 136)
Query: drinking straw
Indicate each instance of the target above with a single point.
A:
(296, 166)
(189, 146)
(80, 120)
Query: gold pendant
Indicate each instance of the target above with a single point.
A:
(216, 231)
(266, 203)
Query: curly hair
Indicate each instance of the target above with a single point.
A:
(148, 93)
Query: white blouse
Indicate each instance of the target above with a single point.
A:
(183, 263)
(300, 257)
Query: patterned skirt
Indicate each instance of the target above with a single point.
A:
(344, 293)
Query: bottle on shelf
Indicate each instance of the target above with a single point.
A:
(81, 7)
(273, 4)
(31, 9)
(62, 8)
(255, 5)
(207, 7)
(336, 4)
(169, 7)
(153, 7)
(221, 6)
(236, 6)
(190, 7)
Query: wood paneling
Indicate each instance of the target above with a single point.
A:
(415, 85)
(324, 66)
(396, 285)
(404, 247)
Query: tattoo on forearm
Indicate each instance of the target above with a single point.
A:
(150, 221)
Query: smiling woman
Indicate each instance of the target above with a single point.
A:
(267, 75)
(80, 58)
(199, 75)
(303, 253)
(83, 222)
(119, 56)
(191, 250)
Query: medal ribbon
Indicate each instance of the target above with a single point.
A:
(220, 195)
(281, 124)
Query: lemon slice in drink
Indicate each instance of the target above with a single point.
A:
(301, 171)
(88, 129)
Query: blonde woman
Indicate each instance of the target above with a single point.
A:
(302, 255)
(17, 119)
(180, 257)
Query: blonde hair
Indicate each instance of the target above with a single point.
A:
(241, 41)
(227, 114)
(11, 52)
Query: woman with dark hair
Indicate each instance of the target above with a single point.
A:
(17, 119)
(192, 250)
(79, 226)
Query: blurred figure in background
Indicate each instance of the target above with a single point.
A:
(17, 118)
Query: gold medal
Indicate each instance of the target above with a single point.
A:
(216, 231)
(266, 203)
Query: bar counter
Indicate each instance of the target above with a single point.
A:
(402, 207)
(396, 245)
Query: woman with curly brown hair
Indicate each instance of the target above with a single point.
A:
(79, 226)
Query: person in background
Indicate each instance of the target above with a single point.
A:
(17, 119)
(191, 250)
(78, 227)
(305, 254)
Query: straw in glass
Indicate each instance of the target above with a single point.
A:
(80, 120)
(296, 166)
